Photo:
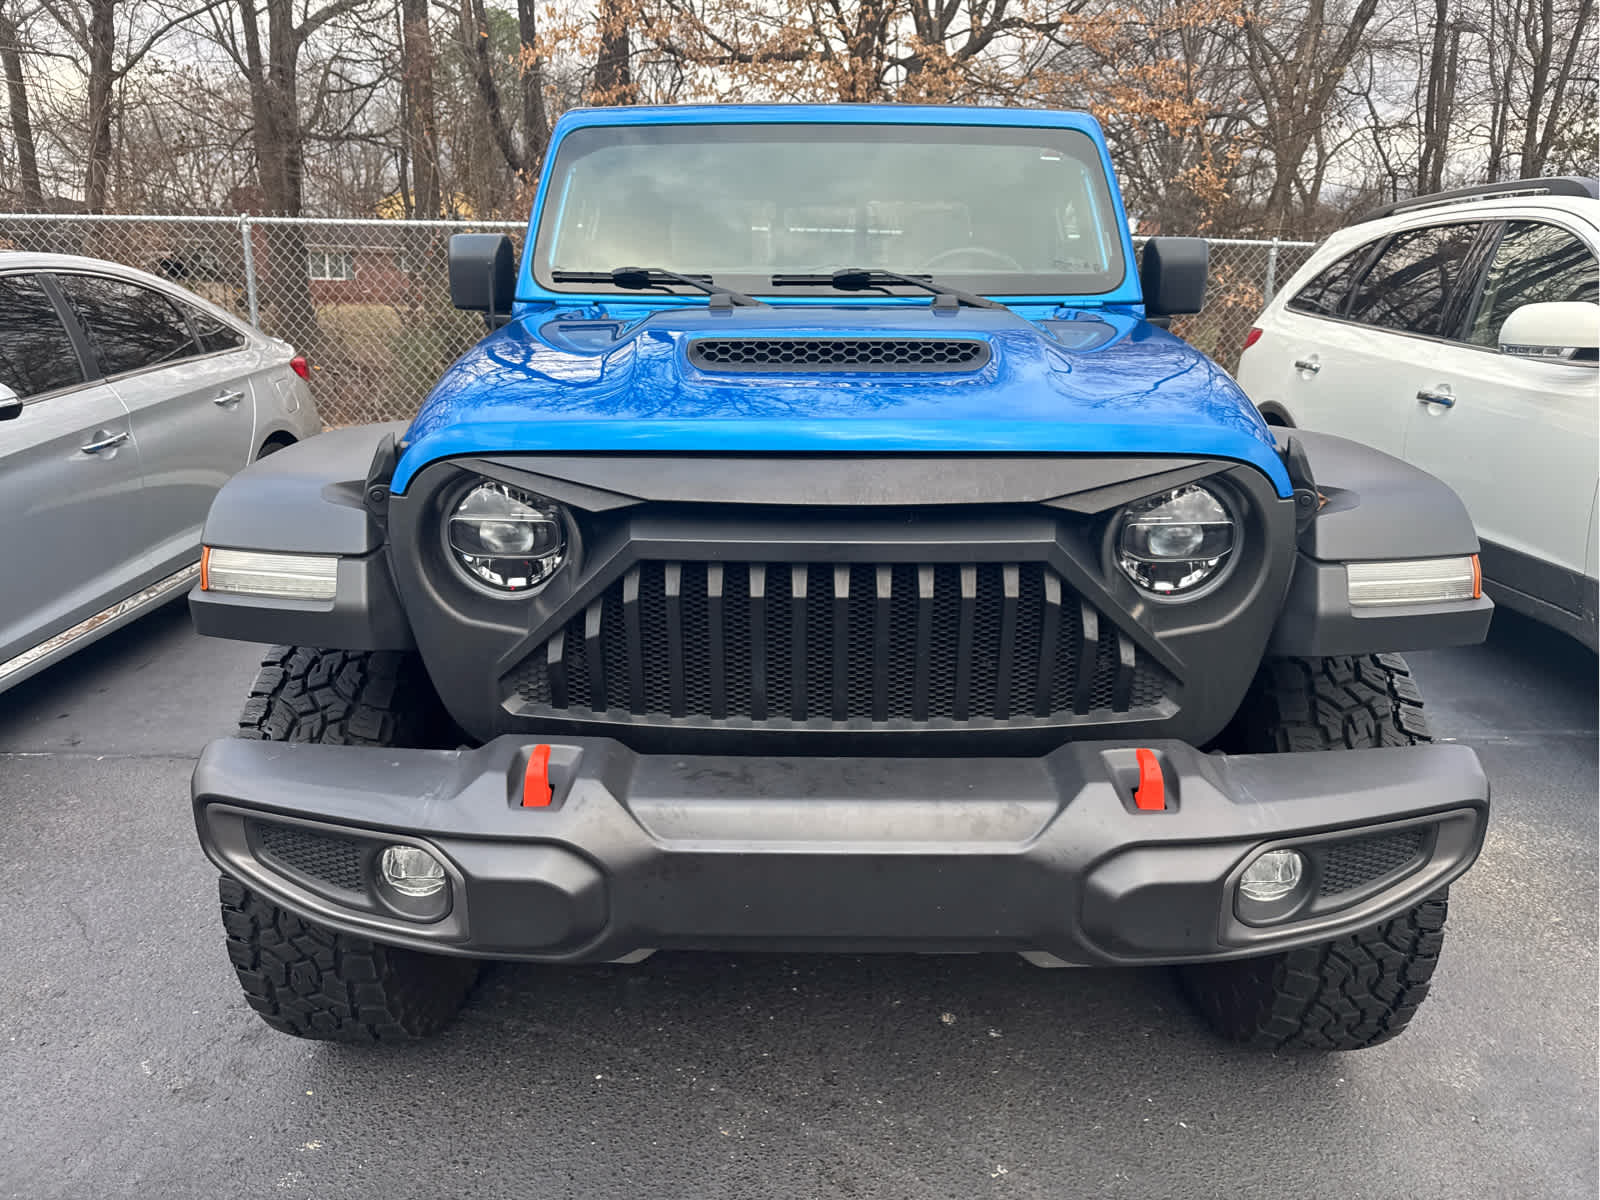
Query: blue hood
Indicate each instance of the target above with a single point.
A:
(1080, 383)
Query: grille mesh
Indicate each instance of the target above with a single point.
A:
(782, 642)
(838, 354)
(335, 861)
(1347, 866)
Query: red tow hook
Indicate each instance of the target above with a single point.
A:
(1151, 794)
(536, 791)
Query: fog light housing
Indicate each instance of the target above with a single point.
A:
(1273, 876)
(412, 872)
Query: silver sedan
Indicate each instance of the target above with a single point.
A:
(125, 403)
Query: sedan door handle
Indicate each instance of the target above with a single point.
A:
(227, 398)
(1307, 364)
(1442, 399)
(105, 443)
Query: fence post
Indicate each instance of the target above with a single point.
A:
(249, 271)
(1272, 271)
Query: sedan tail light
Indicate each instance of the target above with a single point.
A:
(1251, 338)
(303, 369)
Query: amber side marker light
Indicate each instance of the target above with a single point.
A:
(1414, 581)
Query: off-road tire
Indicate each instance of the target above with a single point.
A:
(1347, 994)
(314, 983)
(345, 698)
(1350, 702)
(301, 978)
(1361, 989)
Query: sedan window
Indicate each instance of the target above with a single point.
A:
(215, 333)
(1534, 262)
(36, 355)
(132, 327)
(1411, 286)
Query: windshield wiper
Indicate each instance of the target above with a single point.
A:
(856, 279)
(646, 277)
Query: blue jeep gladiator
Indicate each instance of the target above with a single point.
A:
(829, 548)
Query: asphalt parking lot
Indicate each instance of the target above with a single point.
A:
(129, 1065)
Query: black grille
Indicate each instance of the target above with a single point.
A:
(1347, 866)
(838, 354)
(335, 861)
(847, 642)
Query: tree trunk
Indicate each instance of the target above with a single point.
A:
(421, 137)
(613, 69)
(535, 122)
(102, 43)
(1435, 115)
(21, 122)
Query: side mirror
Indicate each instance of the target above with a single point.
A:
(10, 404)
(483, 274)
(1562, 330)
(1172, 274)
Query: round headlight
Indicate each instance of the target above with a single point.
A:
(1176, 542)
(507, 538)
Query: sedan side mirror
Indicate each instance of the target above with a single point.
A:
(1562, 330)
(483, 274)
(1172, 274)
(10, 404)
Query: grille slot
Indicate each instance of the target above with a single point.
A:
(782, 643)
(1349, 865)
(803, 354)
(333, 861)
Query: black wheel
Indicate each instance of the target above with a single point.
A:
(1361, 989)
(301, 978)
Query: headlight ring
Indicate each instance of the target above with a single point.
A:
(1177, 544)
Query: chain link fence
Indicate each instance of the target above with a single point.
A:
(368, 301)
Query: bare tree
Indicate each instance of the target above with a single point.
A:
(21, 121)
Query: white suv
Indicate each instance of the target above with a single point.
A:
(1461, 332)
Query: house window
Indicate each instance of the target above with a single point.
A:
(331, 264)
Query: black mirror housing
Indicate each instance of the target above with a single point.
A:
(1172, 274)
(483, 273)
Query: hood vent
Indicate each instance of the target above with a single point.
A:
(806, 355)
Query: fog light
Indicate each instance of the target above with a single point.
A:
(1272, 876)
(412, 871)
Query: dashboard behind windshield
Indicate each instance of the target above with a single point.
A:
(996, 209)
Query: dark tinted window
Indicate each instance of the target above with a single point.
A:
(131, 326)
(1534, 263)
(1412, 284)
(215, 333)
(35, 353)
(1324, 295)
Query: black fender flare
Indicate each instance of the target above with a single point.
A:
(309, 498)
(1372, 507)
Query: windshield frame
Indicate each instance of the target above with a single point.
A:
(1119, 284)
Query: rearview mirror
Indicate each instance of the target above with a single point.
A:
(483, 274)
(10, 404)
(1172, 273)
(1562, 330)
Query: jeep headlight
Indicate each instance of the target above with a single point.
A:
(509, 539)
(1175, 543)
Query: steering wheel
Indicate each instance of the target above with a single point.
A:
(1005, 261)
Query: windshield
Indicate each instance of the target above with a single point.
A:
(1002, 210)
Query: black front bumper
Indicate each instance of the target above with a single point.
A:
(1047, 855)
